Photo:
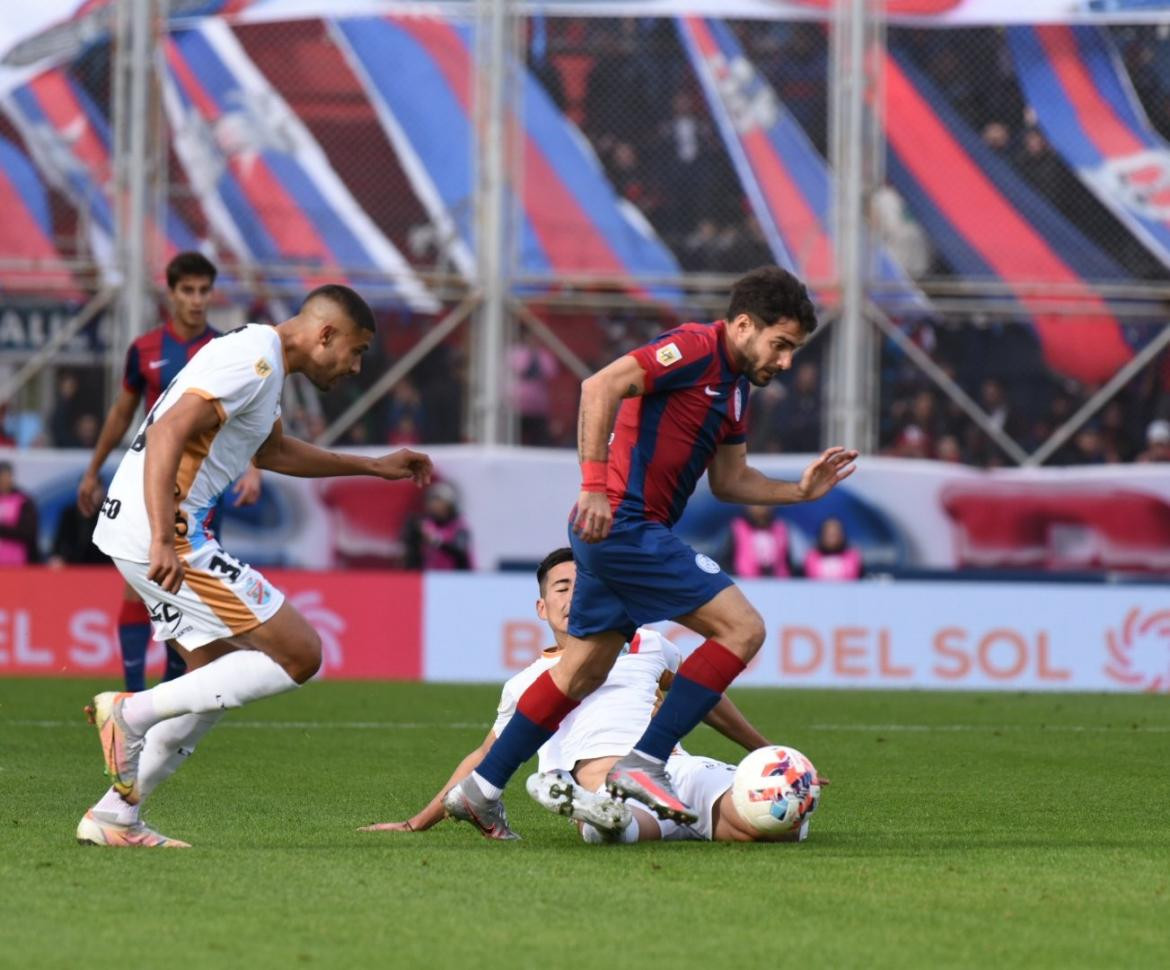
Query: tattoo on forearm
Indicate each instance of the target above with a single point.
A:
(581, 434)
(632, 391)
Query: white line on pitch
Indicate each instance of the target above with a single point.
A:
(296, 725)
(477, 725)
(930, 728)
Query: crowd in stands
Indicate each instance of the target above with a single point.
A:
(628, 85)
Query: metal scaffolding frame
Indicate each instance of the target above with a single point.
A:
(498, 298)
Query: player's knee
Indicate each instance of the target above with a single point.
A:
(752, 634)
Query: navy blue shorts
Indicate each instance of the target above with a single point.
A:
(640, 573)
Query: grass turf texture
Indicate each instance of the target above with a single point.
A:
(960, 830)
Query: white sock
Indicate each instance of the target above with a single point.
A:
(167, 745)
(231, 681)
(594, 836)
(114, 808)
(489, 790)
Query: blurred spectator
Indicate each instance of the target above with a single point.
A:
(912, 442)
(73, 541)
(5, 439)
(948, 450)
(85, 430)
(531, 366)
(1157, 442)
(404, 416)
(832, 557)
(801, 414)
(18, 522)
(759, 543)
(1088, 446)
(63, 419)
(439, 538)
(1118, 444)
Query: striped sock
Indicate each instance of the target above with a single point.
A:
(697, 687)
(134, 638)
(539, 713)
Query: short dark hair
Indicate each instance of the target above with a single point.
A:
(554, 558)
(770, 294)
(357, 309)
(189, 264)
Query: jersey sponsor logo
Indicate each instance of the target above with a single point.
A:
(156, 364)
(737, 403)
(711, 392)
(706, 563)
(668, 354)
(263, 368)
(258, 592)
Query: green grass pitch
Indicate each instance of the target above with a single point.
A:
(959, 830)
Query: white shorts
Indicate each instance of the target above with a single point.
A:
(700, 783)
(220, 597)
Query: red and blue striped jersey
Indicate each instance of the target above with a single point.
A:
(155, 358)
(694, 400)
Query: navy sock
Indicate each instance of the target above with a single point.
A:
(134, 638)
(518, 742)
(697, 687)
(539, 712)
(686, 704)
(176, 665)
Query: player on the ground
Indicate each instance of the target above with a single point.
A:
(575, 761)
(239, 637)
(152, 362)
(681, 408)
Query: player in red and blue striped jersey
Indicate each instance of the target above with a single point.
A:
(680, 404)
(152, 362)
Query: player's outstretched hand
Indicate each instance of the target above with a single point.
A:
(594, 516)
(90, 494)
(166, 568)
(388, 827)
(833, 467)
(405, 463)
(247, 489)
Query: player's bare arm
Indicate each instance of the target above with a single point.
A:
(733, 480)
(290, 456)
(247, 488)
(191, 418)
(433, 812)
(601, 395)
(729, 721)
(89, 492)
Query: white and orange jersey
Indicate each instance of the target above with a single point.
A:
(613, 717)
(242, 373)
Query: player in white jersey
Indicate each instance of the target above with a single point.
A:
(239, 637)
(574, 762)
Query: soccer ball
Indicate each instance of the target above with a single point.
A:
(775, 789)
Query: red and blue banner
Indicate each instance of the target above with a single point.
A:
(784, 176)
(989, 224)
(264, 182)
(69, 138)
(1075, 81)
(568, 218)
(29, 260)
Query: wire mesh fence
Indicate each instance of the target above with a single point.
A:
(643, 163)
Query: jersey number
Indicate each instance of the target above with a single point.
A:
(111, 507)
(220, 565)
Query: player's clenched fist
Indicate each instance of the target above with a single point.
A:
(405, 463)
(594, 516)
(166, 568)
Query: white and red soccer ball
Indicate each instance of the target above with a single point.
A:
(775, 789)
